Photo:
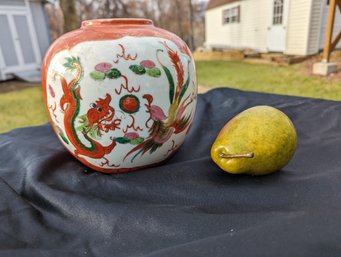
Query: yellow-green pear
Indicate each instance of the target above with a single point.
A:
(258, 141)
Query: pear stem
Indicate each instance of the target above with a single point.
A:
(230, 156)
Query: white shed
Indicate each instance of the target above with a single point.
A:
(295, 27)
(24, 38)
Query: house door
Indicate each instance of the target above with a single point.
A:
(276, 38)
(19, 49)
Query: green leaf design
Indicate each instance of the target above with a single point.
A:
(169, 78)
(154, 72)
(63, 138)
(69, 65)
(153, 149)
(92, 132)
(184, 87)
(97, 75)
(183, 122)
(171, 83)
(137, 140)
(122, 140)
(60, 133)
(113, 73)
(137, 69)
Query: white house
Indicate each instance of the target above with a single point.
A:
(24, 38)
(295, 27)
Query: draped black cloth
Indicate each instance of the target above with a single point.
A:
(52, 205)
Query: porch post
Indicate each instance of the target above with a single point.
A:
(325, 67)
(329, 31)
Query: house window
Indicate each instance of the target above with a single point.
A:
(231, 15)
(278, 12)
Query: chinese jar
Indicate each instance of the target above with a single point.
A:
(120, 93)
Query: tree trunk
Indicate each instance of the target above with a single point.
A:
(70, 15)
(191, 29)
(179, 18)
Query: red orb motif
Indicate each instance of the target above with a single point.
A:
(129, 104)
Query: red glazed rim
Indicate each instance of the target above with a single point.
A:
(121, 21)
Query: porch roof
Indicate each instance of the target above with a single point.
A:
(215, 3)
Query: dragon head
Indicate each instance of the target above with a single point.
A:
(101, 111)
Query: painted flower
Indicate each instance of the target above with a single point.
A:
(156, 113)
(97, 75)
(113, 73)
(155, 72)
(103, 67)
(130, 138)
(131, 135)
(147, 64)
(137, 69)
(137, 141)
(122, 140)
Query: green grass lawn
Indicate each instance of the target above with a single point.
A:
(286, 80)
(22, 108)
(25, 107)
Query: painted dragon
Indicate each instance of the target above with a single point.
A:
(70, 104)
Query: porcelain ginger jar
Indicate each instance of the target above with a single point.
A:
(120, 93)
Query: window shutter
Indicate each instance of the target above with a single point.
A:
(238, 13)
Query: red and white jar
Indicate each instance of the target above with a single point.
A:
(120, 93)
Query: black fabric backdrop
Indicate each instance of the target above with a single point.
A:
(52, 205)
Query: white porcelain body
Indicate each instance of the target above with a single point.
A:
(121, 104)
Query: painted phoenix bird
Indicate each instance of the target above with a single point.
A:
(162, 126)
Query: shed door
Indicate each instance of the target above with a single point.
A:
(276, 38)
(19, 47)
